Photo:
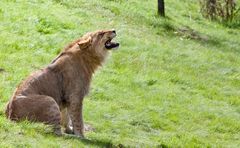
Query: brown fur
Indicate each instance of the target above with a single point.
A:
(55, 94)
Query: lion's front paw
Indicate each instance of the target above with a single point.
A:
(68, 131)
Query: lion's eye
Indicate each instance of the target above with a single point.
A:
(101, 34)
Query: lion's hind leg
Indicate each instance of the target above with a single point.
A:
(38, 108)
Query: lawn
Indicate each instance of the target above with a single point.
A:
(174, 82)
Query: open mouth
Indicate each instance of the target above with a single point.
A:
(110, 44)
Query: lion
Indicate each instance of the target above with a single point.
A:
(54, 95)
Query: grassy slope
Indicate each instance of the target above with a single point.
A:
(166, 85)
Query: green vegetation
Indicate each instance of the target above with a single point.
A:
(174, 82)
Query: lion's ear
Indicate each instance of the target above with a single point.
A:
(85, 43)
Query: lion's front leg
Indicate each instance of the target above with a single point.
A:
(66, 121)
(75, 112)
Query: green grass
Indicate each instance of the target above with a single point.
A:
(174, 82)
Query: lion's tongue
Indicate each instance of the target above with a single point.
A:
(110, 45)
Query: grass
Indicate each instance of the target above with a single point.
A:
(175, 82)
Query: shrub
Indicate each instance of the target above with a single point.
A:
(221, 10)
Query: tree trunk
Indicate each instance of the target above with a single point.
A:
(161, 8)
(211, 7)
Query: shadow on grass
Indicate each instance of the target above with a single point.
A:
(95, 142)
(166, 27)
(101, 143)
(185, 32)
(2, 70)
(162, 146)
(188, 33)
